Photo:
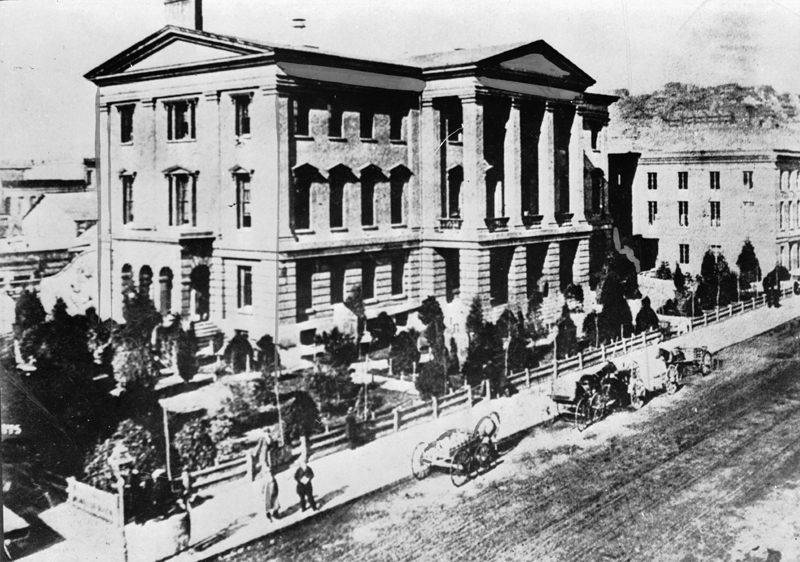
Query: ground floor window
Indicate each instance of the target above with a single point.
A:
(245, 286)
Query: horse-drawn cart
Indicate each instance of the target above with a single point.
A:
(460, 451)
(678, 363)
(589, 395)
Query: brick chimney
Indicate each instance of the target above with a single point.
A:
(184, 13)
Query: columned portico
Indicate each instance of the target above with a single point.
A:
(576, 171)
(547, 171)
(474, 209)
(512, 156)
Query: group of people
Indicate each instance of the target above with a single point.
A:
(303, 476)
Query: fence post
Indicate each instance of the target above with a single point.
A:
(603, 350)
(705, 318)
(435, 404)
(469, 394)
(527, 377)
(396, 420)
(716, 314)
(730, 309)
(248, 459)
(555, 368)
(580, 360)
(488, 390)
(121, 516)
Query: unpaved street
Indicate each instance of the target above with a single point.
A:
(707, 474)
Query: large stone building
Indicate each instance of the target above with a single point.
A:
(690, 202)
(251, 185)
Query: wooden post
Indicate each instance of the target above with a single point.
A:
(469, 394)
(248, 459)
(527, 377)
(435, 404)
(580, 360)
(730, 309)
(603, 351)
(488, 390)
(705, 318)
(396, 420)
(555, 368)
(166, 440)
(121, 516)
(716, 314)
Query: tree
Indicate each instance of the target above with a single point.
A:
(196, 450)
(135, 368)
(141, 317)
(615, 317)
(383, 331)
(646, 318)
(405, 353)
(355, 303)
(663, 271)
(747, 262)
(301, 419)
(430, 381)
(475, 317)
(268, 355)
(679, 279)
(566, 335)
(340, 350)
(147, 454)
(29, 316)
(186, 359)
(430, 314)
(591, 333)
(718, 283)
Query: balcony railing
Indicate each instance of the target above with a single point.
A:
(496, 223)
(531, 220)
(446, 223)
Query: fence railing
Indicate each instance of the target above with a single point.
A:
(104, 505)
(336, 438)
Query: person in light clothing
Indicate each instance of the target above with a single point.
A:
(270, 490)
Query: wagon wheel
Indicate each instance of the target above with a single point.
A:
(583, 414)
(419, 467)
(485, 455)
(598, 406)
(637, 395)
(706, 363)
(673, 376)
(461, 467)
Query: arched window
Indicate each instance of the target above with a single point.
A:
(127, 280)
(780, 215)
(398, 179)
(370, 176)
(146, 281)
(165, 290)
(303, 179)
(338, 177)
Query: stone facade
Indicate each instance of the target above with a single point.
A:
(255, 185)
(717, 200)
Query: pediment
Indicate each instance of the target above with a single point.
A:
(537, 63)
(179, 53)
(536, 59)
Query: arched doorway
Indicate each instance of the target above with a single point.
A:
(127, 281)
(239, 353)
(165, 290)
(199, 292)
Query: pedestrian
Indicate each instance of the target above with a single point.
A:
(303, 475)
(270, 490)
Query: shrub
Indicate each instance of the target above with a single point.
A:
(663, 271)
(194, 445)
(147, 455)
(404, 352)
(430, 381)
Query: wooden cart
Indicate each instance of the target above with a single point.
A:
(579, 396)
(462, 452)
(682, 362)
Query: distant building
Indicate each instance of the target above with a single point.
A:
(251, 186)
(688, 202)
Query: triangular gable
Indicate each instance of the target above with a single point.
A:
(181, 52)
(538, 59)
(535, 62)
(175, 46)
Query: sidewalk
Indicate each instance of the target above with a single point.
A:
(233, 516)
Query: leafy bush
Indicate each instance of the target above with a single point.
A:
(663, 271)
(383, 330)
(146, 451)
(194, 445)
(431, 380)
(404, 352)
(566, 335)
(301, 419)
(134, 366)
(646, 318)
(573, 292)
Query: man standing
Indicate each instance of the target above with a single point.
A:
(303, 475)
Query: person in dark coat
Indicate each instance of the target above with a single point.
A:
(303, 475)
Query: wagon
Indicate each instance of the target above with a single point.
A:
(684, 361)
(462, 452)
(587, 396)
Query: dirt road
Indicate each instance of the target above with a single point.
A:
(707, 474)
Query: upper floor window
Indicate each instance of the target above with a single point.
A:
(652, 180)
(244, 286)
(683, 213)
(715, 213)
(243, 217)
(652, 212)
(747, 179)
(182, 199)
(301, 110)
(714, 179)
(303, 179)
(242, 107)
(370, 176)
(334, 121)
(683, 258)
(126, 123)
(365, 123)
(454, 130)
(181, 119)
(127, 198)
(683, 180)
(396, 126)
(398, 180)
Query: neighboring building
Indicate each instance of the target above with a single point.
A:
(688, 202)
(251, 186)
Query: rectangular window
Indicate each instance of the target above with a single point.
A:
(305, 279)
(683, 213)
(245, 286)
(652, 180)
(454, 124)
(684, 254)
(242, 104)
(747, 179)
(398, 270)
(336, 208)
(243, 201)
(396, 190)
(396, 126)
(683, 180)
(365, 123)
(182, 205)
(337, 283)
(126, 123)
(181, 119)
(301, 118)
(452, 269)
(367, 201)
(334, 121)
(715, 213)
(368, 279)
(302, 203)
(127, 199)
(652, 211)
(714, 179)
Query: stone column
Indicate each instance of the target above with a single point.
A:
(518, 279)
(551, 307)
(577, 201)
(547, 174)
(430, 159)
(473, 190)
(580, 266)
(512, 165)
(278, 166)
(427, 281)
(476, 276)
(109, 299)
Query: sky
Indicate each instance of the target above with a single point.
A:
(46, 46)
